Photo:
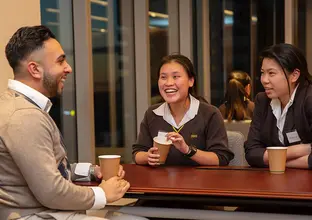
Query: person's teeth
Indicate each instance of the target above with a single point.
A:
(170, 90)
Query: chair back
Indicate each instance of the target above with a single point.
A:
(241, 126)
(236, 145)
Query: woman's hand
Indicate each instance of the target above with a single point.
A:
(178, 142)
(297, 151)
(153, 156)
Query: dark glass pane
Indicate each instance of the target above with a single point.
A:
(158, 29)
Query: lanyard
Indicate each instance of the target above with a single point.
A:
(177, 130)
(64, 166)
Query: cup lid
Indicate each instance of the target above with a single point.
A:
(276, 148)
(162, 140)
(109, 156)
(162, 134)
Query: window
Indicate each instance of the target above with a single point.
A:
(113, 74)
(57, 15)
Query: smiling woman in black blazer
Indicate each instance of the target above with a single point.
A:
(283, 113)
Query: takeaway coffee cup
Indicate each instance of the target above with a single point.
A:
(109, 165)
(163, 146)
(277, 159)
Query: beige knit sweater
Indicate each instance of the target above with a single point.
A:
(30, 152)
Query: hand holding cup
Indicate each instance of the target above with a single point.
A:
(114, 188)
(162, 144)
(153, 156)
(99, 176)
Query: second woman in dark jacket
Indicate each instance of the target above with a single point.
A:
(283, 113)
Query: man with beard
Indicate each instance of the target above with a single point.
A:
(35, 176)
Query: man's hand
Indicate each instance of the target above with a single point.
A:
(114, 188)
(98, 174)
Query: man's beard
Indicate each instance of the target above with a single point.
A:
(50, 84)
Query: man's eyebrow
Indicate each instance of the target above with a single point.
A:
(61, 57)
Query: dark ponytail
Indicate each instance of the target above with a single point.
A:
(236, 96)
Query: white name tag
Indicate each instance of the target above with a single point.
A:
(293, 137)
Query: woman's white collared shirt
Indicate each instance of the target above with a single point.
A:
(164, 111)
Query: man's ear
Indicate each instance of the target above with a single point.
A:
(35, 70)
(295, 75)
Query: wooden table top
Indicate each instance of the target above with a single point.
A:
(293, 184)
(222, 181)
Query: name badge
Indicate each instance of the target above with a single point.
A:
(293, 137)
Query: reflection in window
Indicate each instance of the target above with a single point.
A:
(302, 29)
(158, 29)
(247, 28)
(112, 32)
(50, 18)
(99, 25)
(107, 132)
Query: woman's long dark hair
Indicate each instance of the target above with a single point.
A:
(236, 96)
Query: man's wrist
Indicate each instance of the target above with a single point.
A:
(92, 173)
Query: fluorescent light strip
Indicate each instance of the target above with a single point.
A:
(93, 17)
(50, 23)
(231, 13)
(99, 2)
(53, 10)
(254, 18)
(98, 18)
(102, 30)
(156, 14)
(228, 12)
(151, 13)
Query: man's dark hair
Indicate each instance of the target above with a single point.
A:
(25, 41)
